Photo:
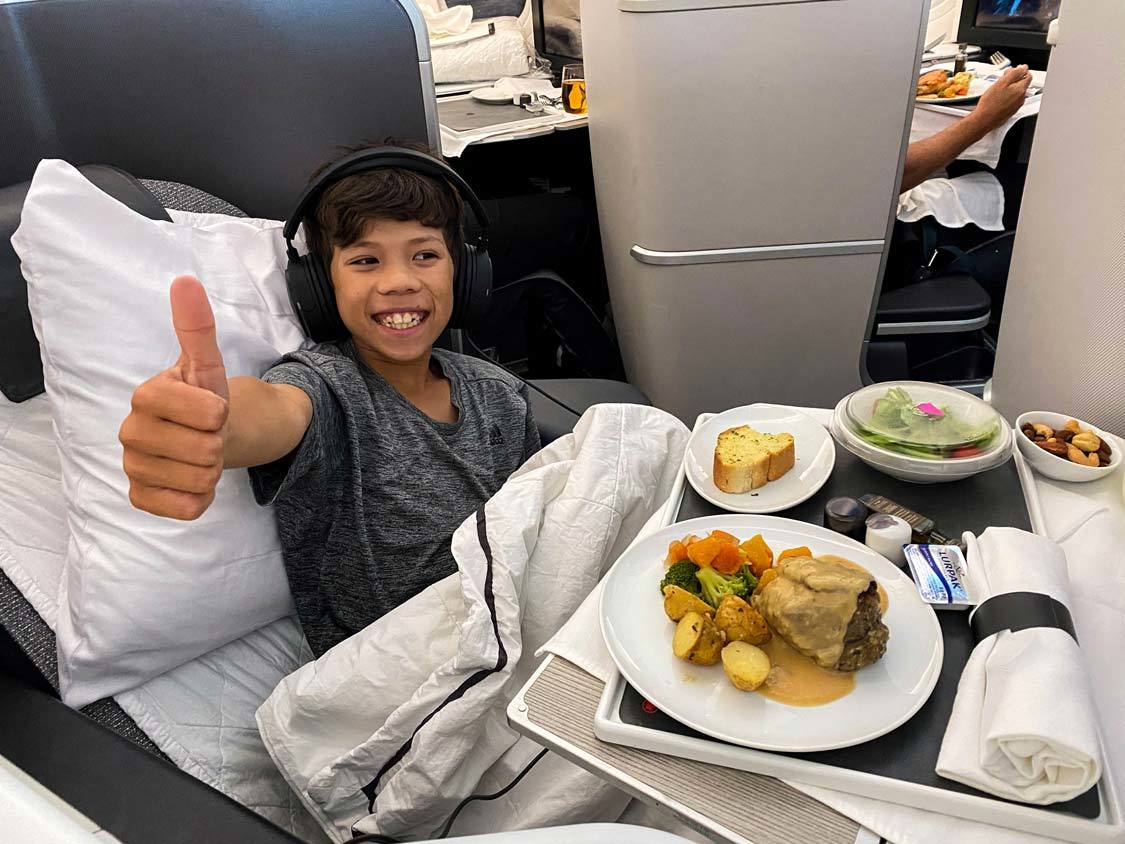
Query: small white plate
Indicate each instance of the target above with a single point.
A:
(815, 458)
(491, 96)
(639, 637)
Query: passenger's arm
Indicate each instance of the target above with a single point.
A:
(997, 104)
(265, 422)
(189, 422)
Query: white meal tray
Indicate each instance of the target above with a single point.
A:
(1107, 827)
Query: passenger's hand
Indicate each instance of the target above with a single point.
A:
(1003, 98)
(175, 434)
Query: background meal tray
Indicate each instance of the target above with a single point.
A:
(899, 766)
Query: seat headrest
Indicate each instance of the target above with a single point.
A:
(21, 370)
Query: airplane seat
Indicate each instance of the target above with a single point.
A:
(948, 303)
(934, 308)
(69, 752)
(176, 196)
(578, 394)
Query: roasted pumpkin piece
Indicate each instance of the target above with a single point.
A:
(703, 552)
(766, 577)
(724, 537)
(677, 551)
(758, 554)
(728, 560)
(802, 551)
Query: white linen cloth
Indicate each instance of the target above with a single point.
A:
(976, 198)
(444, 23)
(515, 85)
(412, 708)
(929, 118)
(1023, 725)
(1088, 521)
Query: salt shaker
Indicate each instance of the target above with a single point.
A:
(886, 534)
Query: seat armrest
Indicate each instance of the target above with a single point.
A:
(940, 305)
(127, 791)
(579, 394)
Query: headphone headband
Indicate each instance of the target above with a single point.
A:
(389, 157)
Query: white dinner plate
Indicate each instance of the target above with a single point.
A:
(491, 96)
(977, 86)
(815, 458)
(886, 694)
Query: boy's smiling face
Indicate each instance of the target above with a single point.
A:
(394, 288)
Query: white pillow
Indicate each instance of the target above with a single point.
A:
(142, 594)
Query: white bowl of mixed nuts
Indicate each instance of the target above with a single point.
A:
(1066, 449)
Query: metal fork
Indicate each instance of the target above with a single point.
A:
(1000, 61)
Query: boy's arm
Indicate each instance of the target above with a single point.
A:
(189, 422)
(265, 421)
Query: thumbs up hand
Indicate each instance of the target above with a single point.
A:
(201, 362)
(175, 434)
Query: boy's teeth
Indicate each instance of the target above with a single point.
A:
(401, 320)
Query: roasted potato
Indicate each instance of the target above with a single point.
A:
(745, 665)
(740, 622)
(697, 639)
(678, 602)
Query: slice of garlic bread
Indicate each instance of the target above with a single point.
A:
(746, 459)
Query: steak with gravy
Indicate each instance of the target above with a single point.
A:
(827, 611)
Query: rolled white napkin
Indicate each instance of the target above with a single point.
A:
(1023, 725)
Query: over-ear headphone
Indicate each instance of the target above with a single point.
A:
(308, 277)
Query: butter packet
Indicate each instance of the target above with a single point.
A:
(941, 575)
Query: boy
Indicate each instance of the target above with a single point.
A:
(373, 449)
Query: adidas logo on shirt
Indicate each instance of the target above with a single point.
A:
(496, 436)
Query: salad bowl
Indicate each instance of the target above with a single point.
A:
(921, 432)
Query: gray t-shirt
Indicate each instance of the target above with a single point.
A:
(367, 503)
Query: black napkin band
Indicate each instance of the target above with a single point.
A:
(1017, 611)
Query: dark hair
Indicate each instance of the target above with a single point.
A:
(346, 208)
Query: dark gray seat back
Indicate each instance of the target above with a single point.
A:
(240, 98)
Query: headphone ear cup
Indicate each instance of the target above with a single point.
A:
(330, 326)
(301, 293)
(312, 298)
(472, 287)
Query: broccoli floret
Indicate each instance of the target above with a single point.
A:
(751, 580)
(717, 586)
(682, 574)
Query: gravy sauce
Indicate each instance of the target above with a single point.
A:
(796, 680)
(884, 599)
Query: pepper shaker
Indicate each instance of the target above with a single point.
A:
(960, 59)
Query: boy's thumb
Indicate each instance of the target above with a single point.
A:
(201, 362)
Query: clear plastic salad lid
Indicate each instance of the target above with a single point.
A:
(923, 420)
